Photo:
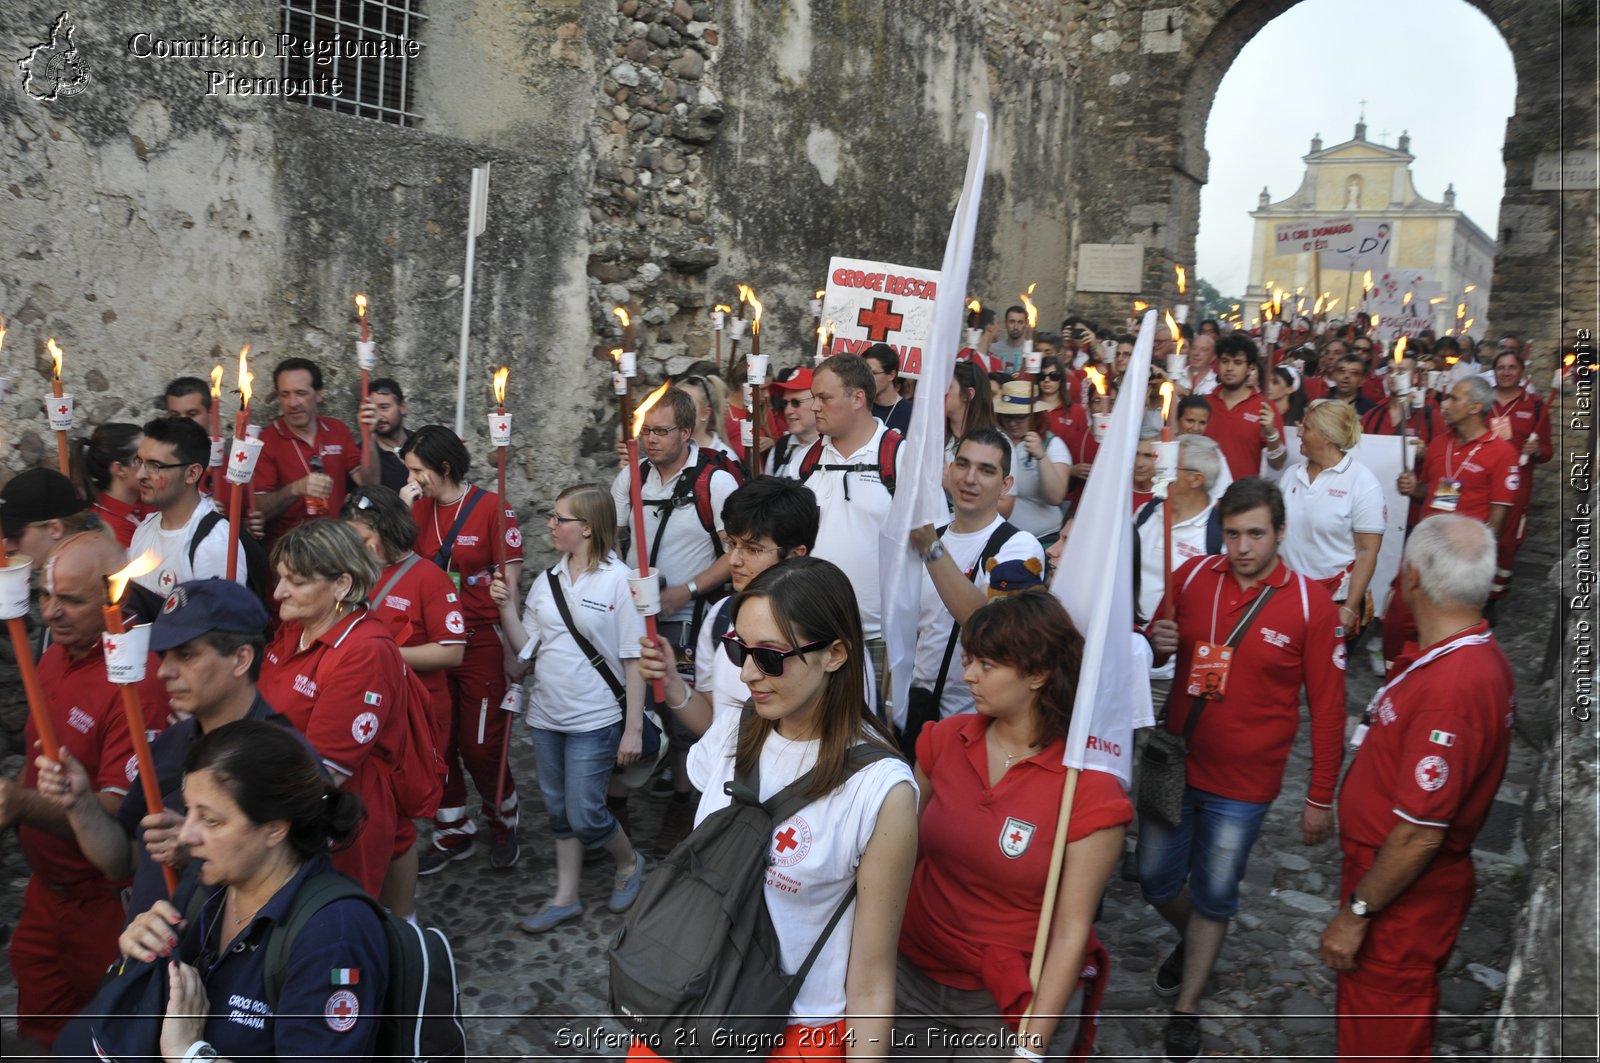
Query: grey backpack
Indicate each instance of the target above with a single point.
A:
(696, 971)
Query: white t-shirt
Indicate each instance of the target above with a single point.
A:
(1031, 513)
(568, 694)
(1188, 540)
(934, 620)
(847, 534)
(1204, 386)
(1322, 517)
(210, 557)
(790, 469)
(814, 853)
(686, 547)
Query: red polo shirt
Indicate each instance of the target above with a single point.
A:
(1237, 432)
(472, 559)
(121, 517)
(285, 458)
(1487, 467)
(421, 608)
(1242, 742)
(87, 715)
(1525, 415)
(1422, 422)
(1436, 747)
(343, 692)
(984, 852)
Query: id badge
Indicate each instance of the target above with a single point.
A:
(1358, 736)
(1501, 426)
(1208, 670)
(455, 577)
(1446, 496)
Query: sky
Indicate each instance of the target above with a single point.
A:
(1306, 73)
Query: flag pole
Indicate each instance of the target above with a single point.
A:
(1052, 885)
(477, 216)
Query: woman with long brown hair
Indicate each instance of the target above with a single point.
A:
(991, 788)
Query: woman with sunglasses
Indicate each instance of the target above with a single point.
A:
(991, 786)
(796, 636)
(580, 730)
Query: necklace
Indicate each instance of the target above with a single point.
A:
(466, 489)
(240, 915)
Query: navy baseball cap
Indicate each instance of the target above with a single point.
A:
(204, 605)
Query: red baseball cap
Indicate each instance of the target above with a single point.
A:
(795, 379)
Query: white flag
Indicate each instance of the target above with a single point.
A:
(1095, 583)
(919, 468)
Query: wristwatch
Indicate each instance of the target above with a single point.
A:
(935, 552)
(1359, 907)
(200, 1052)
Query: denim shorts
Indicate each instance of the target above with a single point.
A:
(574, 771)
(1207, 850)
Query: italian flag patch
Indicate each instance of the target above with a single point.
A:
(346, 976)
(374, 698)
(1441, 738)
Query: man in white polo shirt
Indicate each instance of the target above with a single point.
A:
(677, 542)
(1196, 531)
(171, 465)
(956, 576)
(844, 469)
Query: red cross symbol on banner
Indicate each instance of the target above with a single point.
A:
(879, 320)
(1016, 837)
(786, 840)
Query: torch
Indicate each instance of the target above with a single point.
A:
(646, 591)
(60, 411)
(1183, 287)
(738, 323)
(1170, 460)
(625, 361)
(1175, 359)
(719, 318)
(974, 335)
(756, 374)
(365, 358)
(242, 458)
(218, 447)
(816, 305)
(1097, 421)
(824, 341)
(1405, 406)
(500, 438)
(126, 654)
(13, 608)
(1139, 307)
(1555, 381)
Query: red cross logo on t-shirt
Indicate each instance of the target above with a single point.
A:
(786, 840)
(879, 320)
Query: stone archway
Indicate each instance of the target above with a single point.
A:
(1147, 81)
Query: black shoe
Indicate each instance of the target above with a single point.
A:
(503, 849)
(662, 784)
(1182, 1037)
(434, 858)
(1169, 976)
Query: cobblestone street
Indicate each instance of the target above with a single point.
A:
(544, 997)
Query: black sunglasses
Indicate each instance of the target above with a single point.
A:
(768, 661)
(1052, 375)
(795, 404)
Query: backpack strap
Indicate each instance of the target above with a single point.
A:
(1214, 531)
(203, 529)
(888, 451)
(808, 464)
(997, 539)
(447, 545)
(383, 592)
(316, 893)
(584, 645)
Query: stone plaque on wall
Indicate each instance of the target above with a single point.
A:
(1110, 268)
(1579, 171)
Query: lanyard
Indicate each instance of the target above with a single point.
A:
(1217, 598)
(437, 534)
(316, 448)
(1427, 658)
(1450, 452)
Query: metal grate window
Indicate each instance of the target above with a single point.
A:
(362, 43)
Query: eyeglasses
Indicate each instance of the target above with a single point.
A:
(140, 465)
(659, 433)
(735, 546)
(768, 661)
(1052, 375)
(559, 519)
(795, 404)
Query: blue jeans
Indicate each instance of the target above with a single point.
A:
(574, 770)
(1207, 850)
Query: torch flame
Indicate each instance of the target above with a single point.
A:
(821, 292)
(1166, 399)
(724, 309)
(1399, 350)
(1183, 279)
(1140, 306)
(1470, 288)
(974, 305)
(1461, 310)
(1033, 311)
(622, 315)
(1468, 326)
(755, 324)
(1407, 300)
(616, 355)
(745, 293)
(500, 384)
(117, 582)
(361, 305)
(1172, 328)
(645, 406)
(1568, 360)
(2, 331)
(1366, 282)
(1098, 378)
(1375, 320)
(1317, 309)
(1436, 300)
(216, 381)
(55, 354)
(246, 378)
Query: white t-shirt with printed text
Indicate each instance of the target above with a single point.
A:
(172, 547)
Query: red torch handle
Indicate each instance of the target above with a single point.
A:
(366, 429)
(635, 497)
(141, 744)
(63, 456)
(18, 628)
(500, 511)
(1166, 526)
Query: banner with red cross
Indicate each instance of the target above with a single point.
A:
(877, 302)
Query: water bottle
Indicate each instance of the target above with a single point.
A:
(316, 507)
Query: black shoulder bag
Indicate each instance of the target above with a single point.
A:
(651, 737)
(1163, 773)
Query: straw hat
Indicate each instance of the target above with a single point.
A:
(1016, 399)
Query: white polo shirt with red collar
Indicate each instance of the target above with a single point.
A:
(1322, 517)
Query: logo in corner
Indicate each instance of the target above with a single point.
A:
(54, 68)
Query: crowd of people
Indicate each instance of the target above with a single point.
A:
(392, 592)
